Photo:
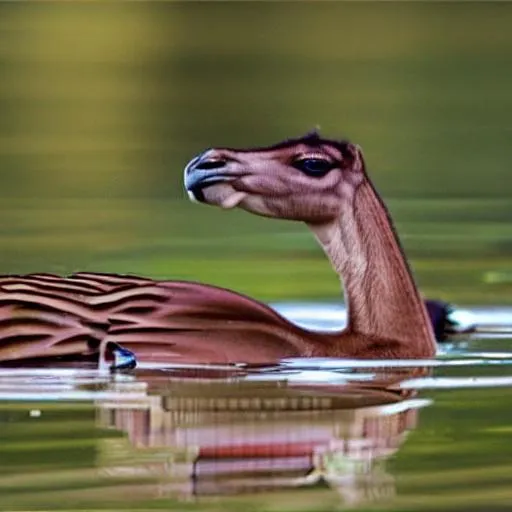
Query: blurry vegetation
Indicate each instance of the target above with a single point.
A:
(102, 104)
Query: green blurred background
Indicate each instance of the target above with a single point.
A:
(102, 104)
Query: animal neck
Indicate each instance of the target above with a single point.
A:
(382, 298)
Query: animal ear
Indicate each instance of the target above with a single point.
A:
(355, 158)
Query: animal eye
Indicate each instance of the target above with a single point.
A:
(314, 166)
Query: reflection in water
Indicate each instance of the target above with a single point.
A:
(339, 431)
(211, 438)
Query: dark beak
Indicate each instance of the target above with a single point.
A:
(201, 173)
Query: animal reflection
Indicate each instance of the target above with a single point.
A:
(212, 438)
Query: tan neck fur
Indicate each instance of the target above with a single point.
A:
(382, 298)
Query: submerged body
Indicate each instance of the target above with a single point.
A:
(47, 318)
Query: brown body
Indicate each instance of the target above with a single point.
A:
(46, 318)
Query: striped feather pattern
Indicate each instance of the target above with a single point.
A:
(46, 318)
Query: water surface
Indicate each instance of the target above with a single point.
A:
(307, 434)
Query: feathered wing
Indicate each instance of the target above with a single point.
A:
(184, 322)
(44, 317)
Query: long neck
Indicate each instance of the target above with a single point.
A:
(383, 300)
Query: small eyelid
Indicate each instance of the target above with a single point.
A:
(313, 156)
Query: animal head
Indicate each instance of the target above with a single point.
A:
(302, 179)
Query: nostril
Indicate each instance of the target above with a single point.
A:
(210, 164)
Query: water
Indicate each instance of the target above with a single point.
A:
(307, 434)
